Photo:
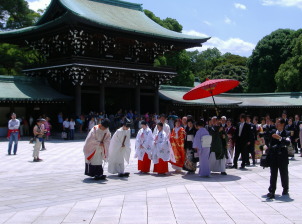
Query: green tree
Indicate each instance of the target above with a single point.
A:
(15, 14)
(168, 23)
(289, 75)
(14, 58)
(178, 60)
(203, 63)
(270, 52)
(181, 62)
(234, 59)
(231, 71)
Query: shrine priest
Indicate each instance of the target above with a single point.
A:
(143, 144)
(96, 150)
(120, 149)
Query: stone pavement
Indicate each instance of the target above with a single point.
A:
(57, 191)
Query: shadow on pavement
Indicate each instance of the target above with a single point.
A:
(115, 177)
(214, 178)
(91, 180)
(279, 198)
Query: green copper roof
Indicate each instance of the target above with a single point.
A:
(15, 88)
(175, 94)
(285, 99)
(112, 14)
(115, 14)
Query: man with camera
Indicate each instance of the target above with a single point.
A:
(278, 158)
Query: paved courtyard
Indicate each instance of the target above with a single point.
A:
(57, 191)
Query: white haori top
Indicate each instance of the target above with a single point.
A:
(161, 148)
(143, 143)
(166, 129)
(94, 153)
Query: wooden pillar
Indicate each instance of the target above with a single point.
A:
(156, 101)
(78, 100)
(138, 100)
(102, 98)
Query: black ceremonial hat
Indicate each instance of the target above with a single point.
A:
(105, 123)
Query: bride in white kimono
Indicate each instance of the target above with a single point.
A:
(96, 150)
(119, 150)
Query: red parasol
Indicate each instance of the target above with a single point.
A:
(211, 88)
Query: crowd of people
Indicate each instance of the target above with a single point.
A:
(212, 145)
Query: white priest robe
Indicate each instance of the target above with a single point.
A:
(94, 153)
(118, 153)
(144, 138)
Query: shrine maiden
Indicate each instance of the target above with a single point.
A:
(96, 150)
(161, 151)
(143, 144)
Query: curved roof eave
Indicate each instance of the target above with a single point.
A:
(27, 30)
(127, 20)
(109, 16)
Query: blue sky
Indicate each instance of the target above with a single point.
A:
(235, 26)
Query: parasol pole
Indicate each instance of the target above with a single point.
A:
(214, 103)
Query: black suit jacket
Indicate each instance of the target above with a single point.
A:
(296, 128)
(278, 154)
(254, 132)
(246, 135)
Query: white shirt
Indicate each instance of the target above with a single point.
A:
(71, 124)
(66, 124)
(240, 128)
(13, 124)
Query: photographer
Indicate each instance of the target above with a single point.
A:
(278, 158)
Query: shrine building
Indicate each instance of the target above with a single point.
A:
(101, 53)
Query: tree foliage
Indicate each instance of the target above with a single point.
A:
(270, 52)
(15, 14)
(168, 23)
(178, 60)
(203, 63)
(289, 75)
(14, 58)
(231, 71)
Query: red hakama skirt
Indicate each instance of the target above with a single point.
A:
(161, 167)
(144, 165)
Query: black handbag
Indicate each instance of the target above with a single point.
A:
(264, 161)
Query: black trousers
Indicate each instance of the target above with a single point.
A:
(243, 150)
(297, 146)
(251, 150)
(283, 170)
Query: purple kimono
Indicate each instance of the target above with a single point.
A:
(203, 152)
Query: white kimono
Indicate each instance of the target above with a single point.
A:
(166, 129)
(117, 153)
(161, 148)
(144, 138)
(94, 153)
